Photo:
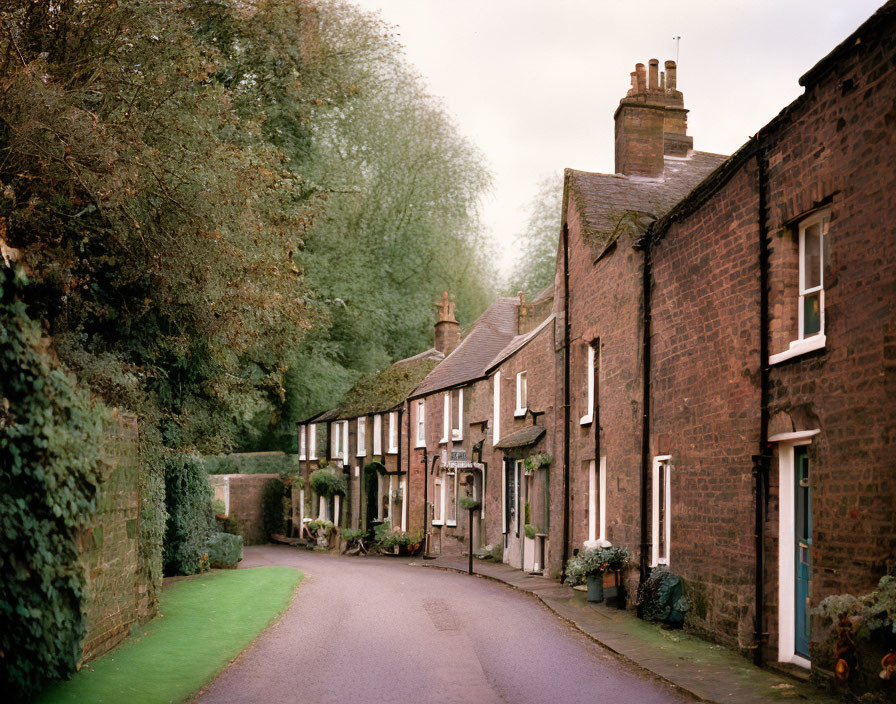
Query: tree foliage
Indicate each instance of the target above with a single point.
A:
(537, 245)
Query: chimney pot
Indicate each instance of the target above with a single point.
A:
(654, 74)
(447, 329)
(642, 78)
(671, 70)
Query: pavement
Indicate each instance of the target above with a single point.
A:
(706, 671)
(375, 629)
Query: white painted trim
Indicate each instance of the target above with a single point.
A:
(312, 441)
(301, 511)
(655, 558)
(389, 503)
(440, 485)
(496, 409)
(393, 433)
(446, 416)
(321, 508)
(303, 434)
(447, 521)
(518, 477)
(458, 434)
(797, 435)
(337, 505)
(345, 451)
(592, 502)
(504, 498)
(362, 437)
(589, 370)
(378, 434)
(787, 549)
(799, 347)
(402, 485)
(602, 495)
(335, 439)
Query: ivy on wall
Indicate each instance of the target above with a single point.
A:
(50, 433)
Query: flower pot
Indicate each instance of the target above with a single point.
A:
(595, 588)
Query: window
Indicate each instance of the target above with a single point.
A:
(450, 492)
(345, 451)
(421, 424)
(362, 437)
(496, 410)
(312, 441)
(457, 416)
(438, 502)
(446, 417)
(303, 435)
(522, 394)
(335, 440)
(510, 495)
(589, 401)
(377, 435)
(813, 232)
(393, 433)
(597, 500)
(662, 510)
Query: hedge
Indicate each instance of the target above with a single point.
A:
(50, 434)
(224, 550)
(191, 518)
(251, 463)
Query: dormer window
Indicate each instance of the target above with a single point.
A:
(522, 395)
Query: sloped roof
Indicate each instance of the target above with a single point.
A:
(605, 202)
(385, 390)
(494, 329)
(529, 435)
(518, 343)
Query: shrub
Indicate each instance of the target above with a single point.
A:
(219, 507)
(328, 481)
(497, 552)
(352, 535)
(230, 524)
(188, 499)
(49, 480)
(315, 526)
(468, 504)
(593, 561)
(661, 597)
(273, 516)
(224, 550)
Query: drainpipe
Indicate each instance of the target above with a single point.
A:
(566, 491)
(644, 245)
(404, 502)
(761, 462)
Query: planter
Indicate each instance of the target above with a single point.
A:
(595, 588)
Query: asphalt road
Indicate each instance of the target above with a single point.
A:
(378, 630)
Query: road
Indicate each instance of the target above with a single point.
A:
(376, 630)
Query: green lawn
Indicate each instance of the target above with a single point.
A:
(203, 624)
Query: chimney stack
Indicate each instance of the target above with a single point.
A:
(447, 329)
(651, 122)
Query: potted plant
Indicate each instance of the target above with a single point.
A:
(590, 566)
(321, 531)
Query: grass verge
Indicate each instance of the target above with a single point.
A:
(203, 624)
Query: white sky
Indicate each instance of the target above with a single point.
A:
(534, 83)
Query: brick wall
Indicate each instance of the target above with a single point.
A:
(117, 592)
(247, 502)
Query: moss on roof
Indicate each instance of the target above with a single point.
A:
(385, 390)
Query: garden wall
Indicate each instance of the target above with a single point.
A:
(243, 496)
(117, 591)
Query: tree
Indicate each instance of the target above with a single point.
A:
(537, 245)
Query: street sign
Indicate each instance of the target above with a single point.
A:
(458, 456)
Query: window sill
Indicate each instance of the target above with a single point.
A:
(586, 420)
(451, 524)
(361, 454)
(443, 441)
(520, 412)
(392, 451)
(438, 523)
(457, 436)
(301, 458)
(800, 347)
(419, 445)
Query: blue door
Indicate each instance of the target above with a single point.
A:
(803, 537)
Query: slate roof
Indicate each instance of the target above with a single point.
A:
(518, 343)
(606, 202)
(490, 334)
(529, 435)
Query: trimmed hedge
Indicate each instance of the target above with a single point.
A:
(225, 550)
(50, 434)
(191, 518)
(251, 463)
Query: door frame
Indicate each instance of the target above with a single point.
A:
(787, 544)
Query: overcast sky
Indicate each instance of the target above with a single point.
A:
(534, 83)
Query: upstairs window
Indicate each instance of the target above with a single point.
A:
(496, 409)
(522, 395)
(811, 309)
(335, 440)
(457, 414)
(345, 450)
(421, 424)
(312, 441)
(589, 381)
(362, 437)
(303, 435)
(377, 435)
(446, 417)
(393, 433)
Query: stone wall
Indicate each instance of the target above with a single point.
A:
(117, 593)
(245, 500)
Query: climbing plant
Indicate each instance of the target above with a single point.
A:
(49, 479)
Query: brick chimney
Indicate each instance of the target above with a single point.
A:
(447, 335)
(651, 122)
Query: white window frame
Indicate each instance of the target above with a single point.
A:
(303, 439)
(312, 441)
(393, 433)
(496, 409)
(439, 496)
(448, 475)
(377, 435)
(421, 423)
(656, 558)
(816, 341)
(345, 451)
(402, 487)
(446, 417)
(589, 370)
(335, 440)
(597, 500)
(521, 382)
(787, 442)
(362, 437)
(458, 432)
